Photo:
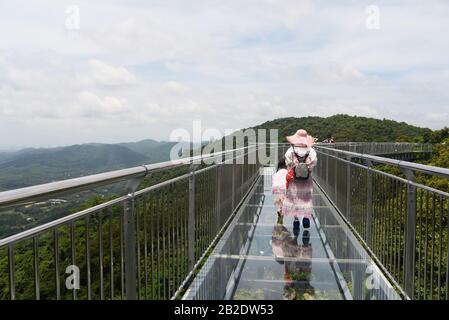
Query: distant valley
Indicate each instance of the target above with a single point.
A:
(35, 166)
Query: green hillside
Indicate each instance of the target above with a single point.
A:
(155, 151)
(348, 128)
(46, 165)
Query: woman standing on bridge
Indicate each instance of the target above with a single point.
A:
(300, 159)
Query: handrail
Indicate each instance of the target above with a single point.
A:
(28, 194)
(58, 222)
(373, 147)
(124, 223)
(432, 170)
(399, 220)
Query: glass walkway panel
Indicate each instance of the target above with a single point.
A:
(262, 257)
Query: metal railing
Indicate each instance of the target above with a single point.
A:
(380, 148)
(142, 245)
(404, 223)
(147, 243)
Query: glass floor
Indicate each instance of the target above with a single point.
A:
(263, 258)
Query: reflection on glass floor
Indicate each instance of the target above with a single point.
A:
(262, 258)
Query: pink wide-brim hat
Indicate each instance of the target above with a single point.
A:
(301, 139)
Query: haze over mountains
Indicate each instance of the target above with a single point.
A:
(35, 166)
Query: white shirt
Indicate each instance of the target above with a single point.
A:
(289, 156)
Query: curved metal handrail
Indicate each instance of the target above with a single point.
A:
(29, 194)
(436, 171)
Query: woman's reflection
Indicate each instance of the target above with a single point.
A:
(296, 259)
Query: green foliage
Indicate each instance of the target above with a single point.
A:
(437, 136)
(440, 158)
(348, 128)
(38, 166)
(161, 225)
(154, 151)
(389, 222)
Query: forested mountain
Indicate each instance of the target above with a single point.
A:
(4, 156)
(34, 166)
(348, 128)
(155, 151)
(12, 155)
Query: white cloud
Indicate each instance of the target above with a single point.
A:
(148, 68)
(174, 87)
(95, 106)
(100, 73)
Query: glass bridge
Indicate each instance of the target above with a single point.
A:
(264, 257)
(208, 229)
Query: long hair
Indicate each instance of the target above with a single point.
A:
(281, 164)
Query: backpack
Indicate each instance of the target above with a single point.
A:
(301, 170)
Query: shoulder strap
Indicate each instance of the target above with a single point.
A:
(294, 152)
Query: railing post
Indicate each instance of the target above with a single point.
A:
(130, 249)
(233, 185)
(130, 238)
(242, 183)
(218, 205)
(12, 277)
(348, 189)
(327, 172)
(410, 234)
(191, 219)
(336, 182)
(369, 205)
